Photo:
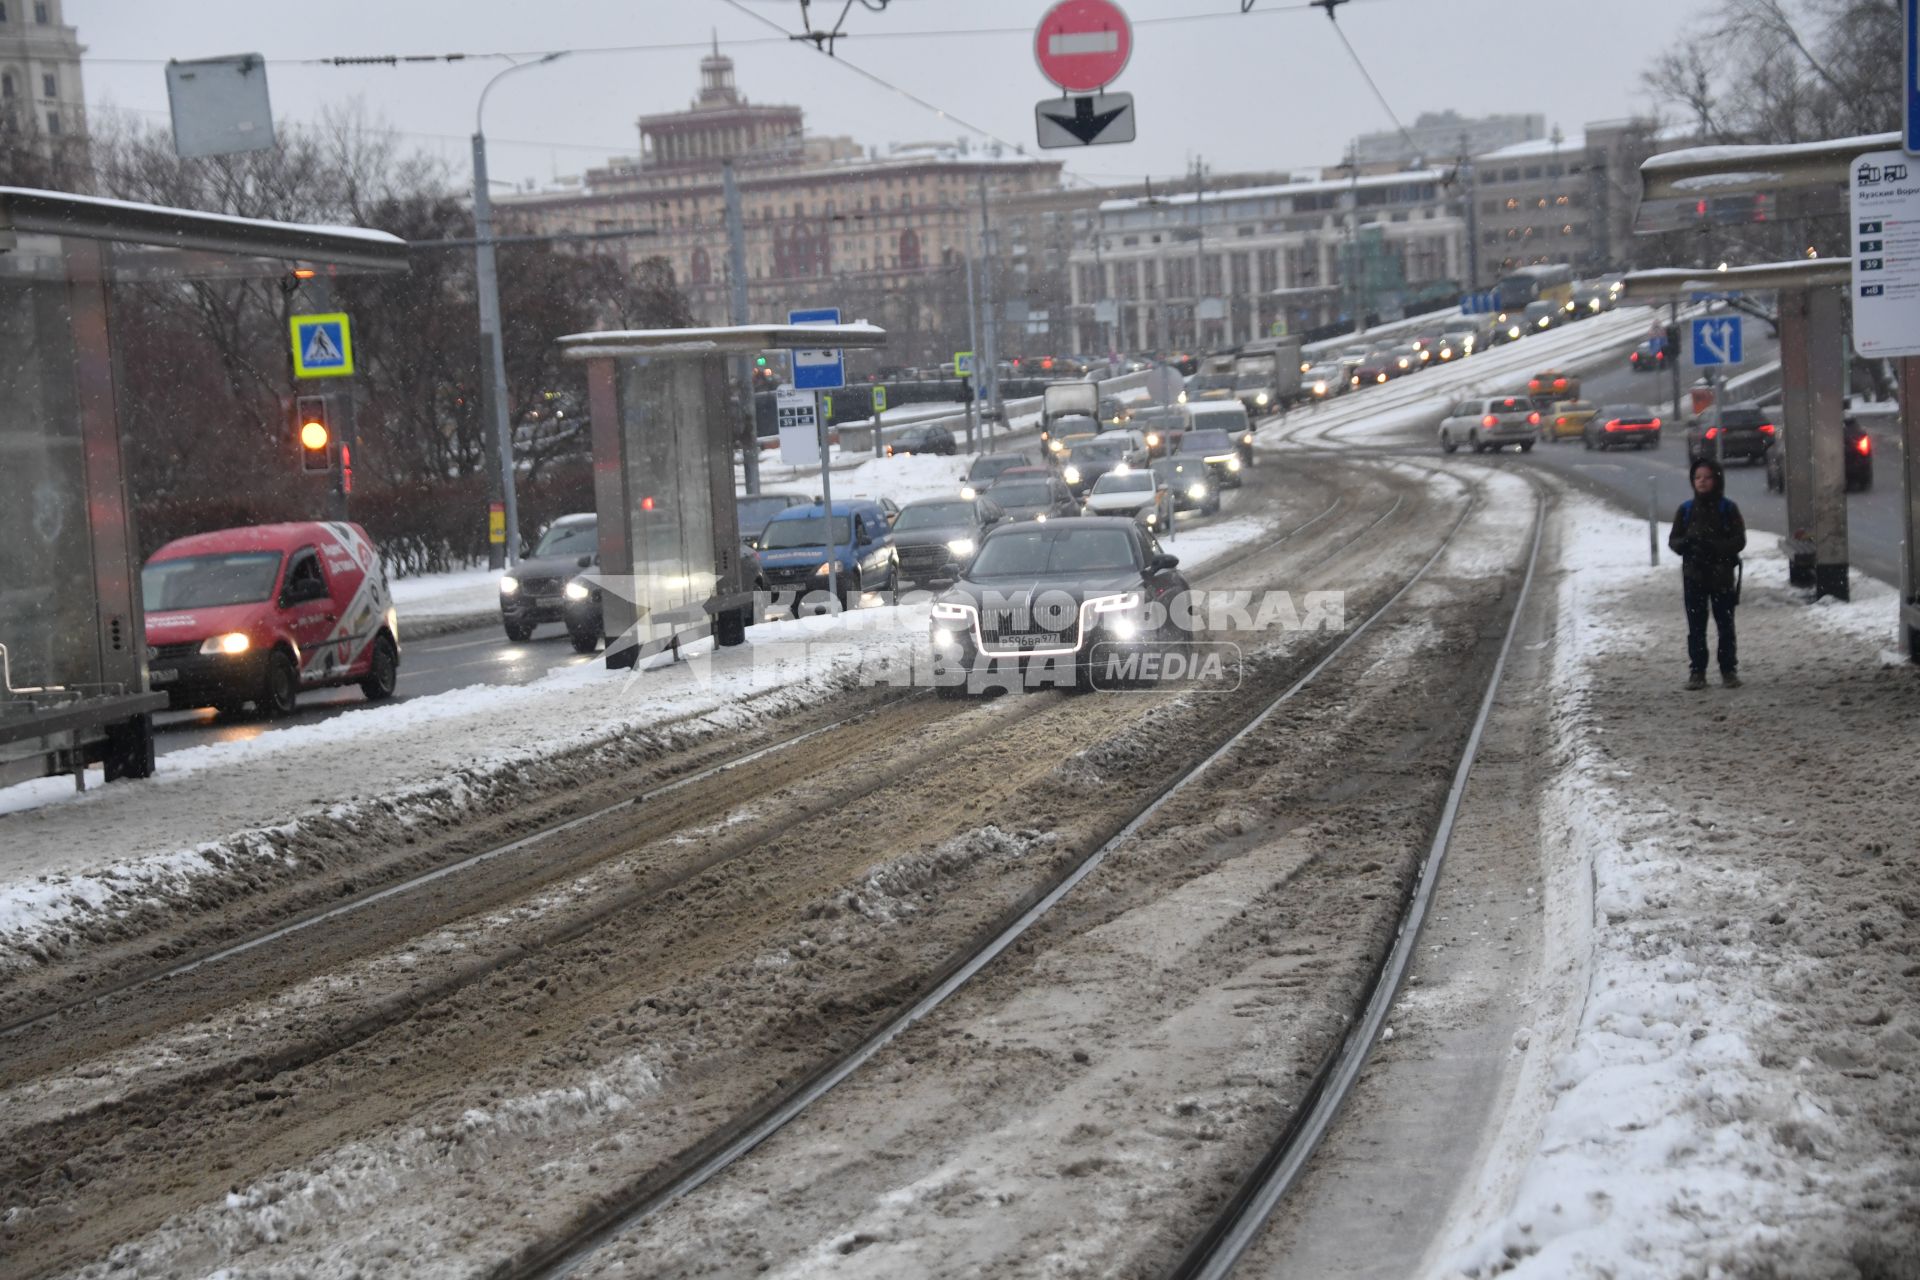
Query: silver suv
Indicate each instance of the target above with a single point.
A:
(1491, 423)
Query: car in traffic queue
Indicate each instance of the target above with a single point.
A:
(256, 614)
(1324, 381)
(987, 468)
(1541, 315)
(1350, 360)
(1233, 420)
(1374, 368)
(1217, 450)
(934, 537)
(1649, 356)
(798, 546)
(1508, 326)
(1204, 388)
(922, 438)
(1161, 426)
(583, 609)
(1033, 493)
(1112, 450)
(1567, 419)
(1590, 302)
(1550, 386)
(1256, 392)
(1114, 412)
(1193, 483)
(1490, 422)
(1047, 601)
(1858, 454)
(1068, 431)
(753, 510)
(1137, 493)
(1405, 360)
(1467, 334)
(1743, 432)
(533, 591)
(1616, 426)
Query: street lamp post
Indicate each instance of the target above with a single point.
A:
(493, 372)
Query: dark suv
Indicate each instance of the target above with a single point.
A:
(1748, 433)
(1859, 454)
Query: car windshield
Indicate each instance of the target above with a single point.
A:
(1742, 417)
(934, 515)
(1632, 411)
(1124, 482)
(1205, 442)
(1512, 404)
(202, 582)
(1040, 550)
(754, 512)
(1319, 371)
(804, 531)
(1023, 493)
(1174, 469)
(1100, 451)
(574, 538)
(1251, 380)
(1214, 382)
(993, 465)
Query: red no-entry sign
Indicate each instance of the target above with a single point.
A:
(1083, 45)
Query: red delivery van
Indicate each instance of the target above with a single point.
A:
(255, 615)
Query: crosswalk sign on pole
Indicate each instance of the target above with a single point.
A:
(322, 346)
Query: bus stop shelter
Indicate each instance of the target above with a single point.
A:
(671, 568)
(1813, 354)
(73, 666)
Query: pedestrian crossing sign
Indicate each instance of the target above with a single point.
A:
(322, 346)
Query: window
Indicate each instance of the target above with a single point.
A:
(49, 86)
(40, 14)
(3, 13)
(6, 85)
(53, 123)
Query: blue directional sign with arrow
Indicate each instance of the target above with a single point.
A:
(1085, 121)
(1716, 340)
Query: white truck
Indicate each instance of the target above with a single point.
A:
(1267, 375)
(1063, 400)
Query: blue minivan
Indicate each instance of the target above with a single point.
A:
(797, 544)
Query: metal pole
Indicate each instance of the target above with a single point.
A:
(737, 314)
(1473, 217)
(1653, 519)
(826, 499)
(1673, 356)
(991, 324)
(493, 374)
(1909, 372)
(1719, 436)
(1199, 247)
(973, 374)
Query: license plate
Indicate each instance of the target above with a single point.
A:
(163, 675)
(1037, 640)
(548, 602)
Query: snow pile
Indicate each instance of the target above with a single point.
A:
(1738, 1094)
(429, 596)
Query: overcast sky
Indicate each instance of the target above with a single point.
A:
(1272, 89)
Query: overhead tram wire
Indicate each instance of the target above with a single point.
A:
(1330, 6)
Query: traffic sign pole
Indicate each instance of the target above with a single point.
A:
(826, 500)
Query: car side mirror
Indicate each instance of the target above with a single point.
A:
(1162, 563)
(584, 561)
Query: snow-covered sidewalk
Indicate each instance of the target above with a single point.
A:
(1730, 879)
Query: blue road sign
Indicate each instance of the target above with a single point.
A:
(1911, 141)
(1716, 340)
(818, 370)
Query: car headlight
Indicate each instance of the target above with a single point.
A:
(1115, 603)
(1513, 331)
(1183, 398)
(1071, 475)
(1041, 518)
(509, 584)
(1196, 491)
(1056, 446)
(1261, 398)
(821, 572)
(577, 591)
(1247, 438)
(1233, 464)
(968, 492)
(1153, 439)
(1379, 377)
(1123, 469)
(231, 643)
(947, 611)
(961, 546)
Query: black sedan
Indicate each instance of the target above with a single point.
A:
(1218, 450)
(1192, 481)
(1033, 493)
(1741, 433)
(922, 439)
(1859, 456)
(1060, 604)
(936, 537)
(1649, 356)
(583, 610)
(1087, 462)
(531, 593)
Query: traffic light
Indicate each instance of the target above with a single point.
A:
(314, 433)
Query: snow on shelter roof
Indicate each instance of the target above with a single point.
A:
(1283, 189)
(721, 340)
(62, 213)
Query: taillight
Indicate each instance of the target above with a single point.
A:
(1489, 421)
(1634, 358)
(1656, 424)
(1613, 425)
(1864, 445)
(1712, 432)
(1766, 428)
(1533, 419)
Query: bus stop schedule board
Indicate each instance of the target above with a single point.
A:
(1886, 254)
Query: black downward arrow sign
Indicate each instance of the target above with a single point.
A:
(1085, 124)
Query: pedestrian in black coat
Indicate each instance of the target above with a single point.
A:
(1708, 536)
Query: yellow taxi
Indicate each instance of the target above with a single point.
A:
(1568, 419)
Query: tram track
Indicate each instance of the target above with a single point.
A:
(59, 1138)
